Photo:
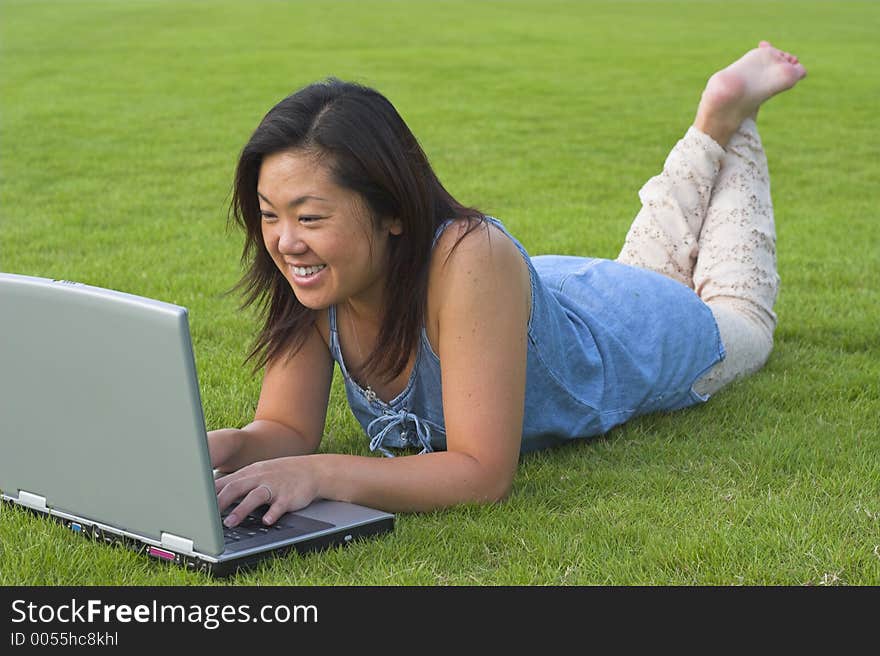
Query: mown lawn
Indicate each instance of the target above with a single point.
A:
(120, 124)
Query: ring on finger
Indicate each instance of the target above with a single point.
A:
(269, 490)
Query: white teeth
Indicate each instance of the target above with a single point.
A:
(307, 271)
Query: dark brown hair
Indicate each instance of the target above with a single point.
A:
(369, 150)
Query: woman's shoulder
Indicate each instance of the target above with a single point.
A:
(471, 258)
(474, 242)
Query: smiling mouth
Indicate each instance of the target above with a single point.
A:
(307, 271)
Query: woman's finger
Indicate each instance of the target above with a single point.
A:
(259, 495)
(233, 490)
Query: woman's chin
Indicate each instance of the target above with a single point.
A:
(311, 303)
(310, 300)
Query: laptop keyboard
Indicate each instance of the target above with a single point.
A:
(251, 532)
(251, 526)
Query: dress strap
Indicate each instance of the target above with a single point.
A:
(439, 231)
(335, 347)
(332, 316)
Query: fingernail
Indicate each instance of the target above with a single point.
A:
(230, 520)
(267, 519)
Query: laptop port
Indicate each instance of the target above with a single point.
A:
(161, 553)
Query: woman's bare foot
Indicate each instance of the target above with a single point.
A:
(735, 93)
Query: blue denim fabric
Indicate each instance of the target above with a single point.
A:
(606, 342)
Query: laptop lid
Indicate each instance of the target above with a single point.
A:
(100, 411)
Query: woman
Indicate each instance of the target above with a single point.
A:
(449, 337)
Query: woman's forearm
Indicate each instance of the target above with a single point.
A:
(409, 483)
(264, 440)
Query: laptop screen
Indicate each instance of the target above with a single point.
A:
(101, 411)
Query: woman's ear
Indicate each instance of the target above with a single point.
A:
(395, 226)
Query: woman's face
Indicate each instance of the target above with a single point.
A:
(320, 235)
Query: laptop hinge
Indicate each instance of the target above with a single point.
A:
(32, 500)
(176, 542)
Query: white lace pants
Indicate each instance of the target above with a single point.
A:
(707, 221)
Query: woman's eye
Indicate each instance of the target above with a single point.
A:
(266, 216)
(309, 219)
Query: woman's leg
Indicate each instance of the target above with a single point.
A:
(735, 272)
(664, 235)
(710, 199)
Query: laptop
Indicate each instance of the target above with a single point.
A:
(102, 429)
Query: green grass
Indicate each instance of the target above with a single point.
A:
(120, 123)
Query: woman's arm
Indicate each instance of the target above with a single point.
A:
(290, 414)
(402, 484)
(483, 303)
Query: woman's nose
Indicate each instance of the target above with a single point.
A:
(290, 240)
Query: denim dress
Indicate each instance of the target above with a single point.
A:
(606, 342)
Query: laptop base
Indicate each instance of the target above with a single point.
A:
(220, 567)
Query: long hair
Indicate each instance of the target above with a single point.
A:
(371, 151)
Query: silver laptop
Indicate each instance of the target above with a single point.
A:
(101, 428)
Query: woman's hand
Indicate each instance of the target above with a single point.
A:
(223, 446)
(285, 484)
